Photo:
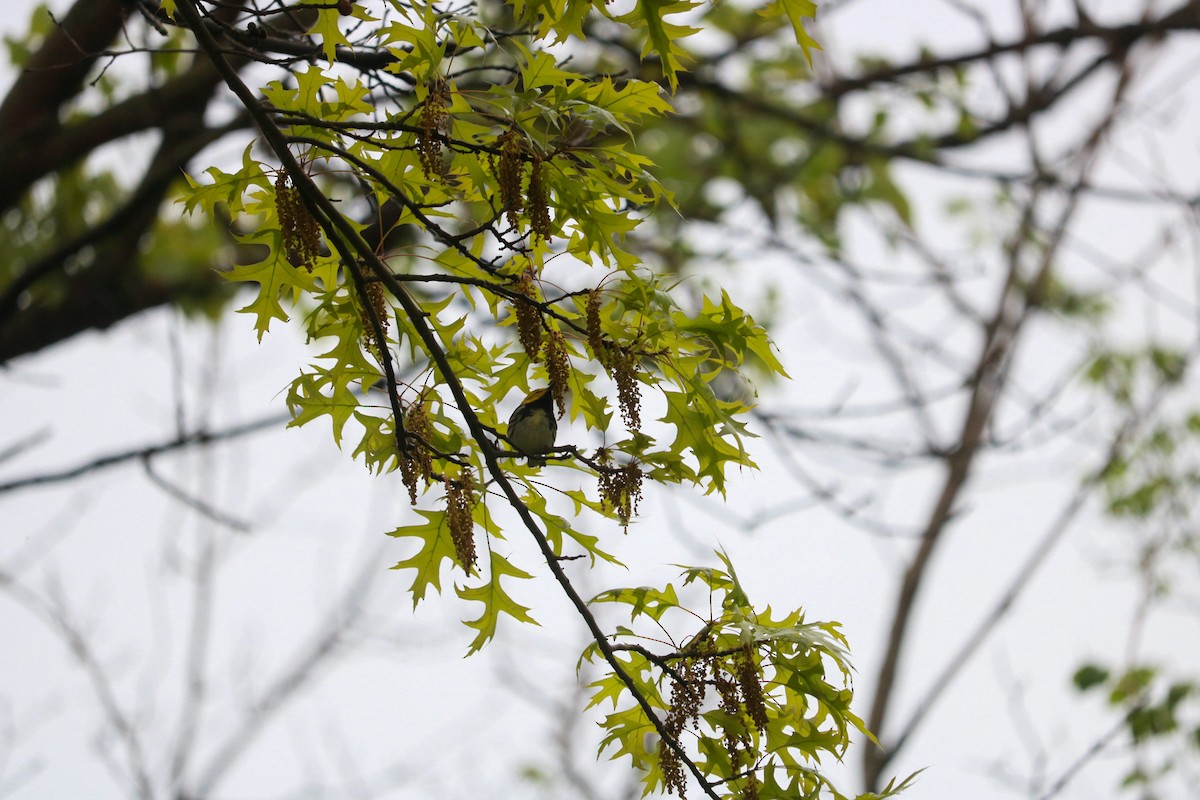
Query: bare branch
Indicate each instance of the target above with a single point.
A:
(147, 452)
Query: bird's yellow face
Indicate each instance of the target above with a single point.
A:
(535, 396)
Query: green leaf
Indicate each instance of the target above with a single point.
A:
(661, 35)
(1089, 676)
(496, 601)
(436, 549)
(646, 600)
(796, 11)
(328, 27)
(229, 189)
(804, 713)
(1132, 684)
(702, 431)
(628, 733)
(276, 279)
(541, 69)
(557, 528)
(318, 393)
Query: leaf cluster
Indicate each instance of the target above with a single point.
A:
(1160, 716)
(761, 700)
(479, 247)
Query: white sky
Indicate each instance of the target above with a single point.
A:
(405, 709)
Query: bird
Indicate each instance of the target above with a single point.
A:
(532, 426)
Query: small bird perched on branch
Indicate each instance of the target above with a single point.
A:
(532, 426)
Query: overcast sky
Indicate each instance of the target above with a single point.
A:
(403, 714)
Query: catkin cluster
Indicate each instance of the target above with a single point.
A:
(508, 173)
(539, 202)
(515, 195)
(460, 502)
(620, 363)
(596, 340)
(621, 490)
(741, 696)
(629, 394)
(376, 298)
(751, 690)
(435, 124)
(301, 233)
(687, 693)
(735, 678)
(558, 367)
(418, 461)
(529, 321)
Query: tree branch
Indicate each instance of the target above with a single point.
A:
(350, 245)
(143, 453)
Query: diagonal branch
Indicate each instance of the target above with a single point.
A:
(347, 241)
(1025, 573)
